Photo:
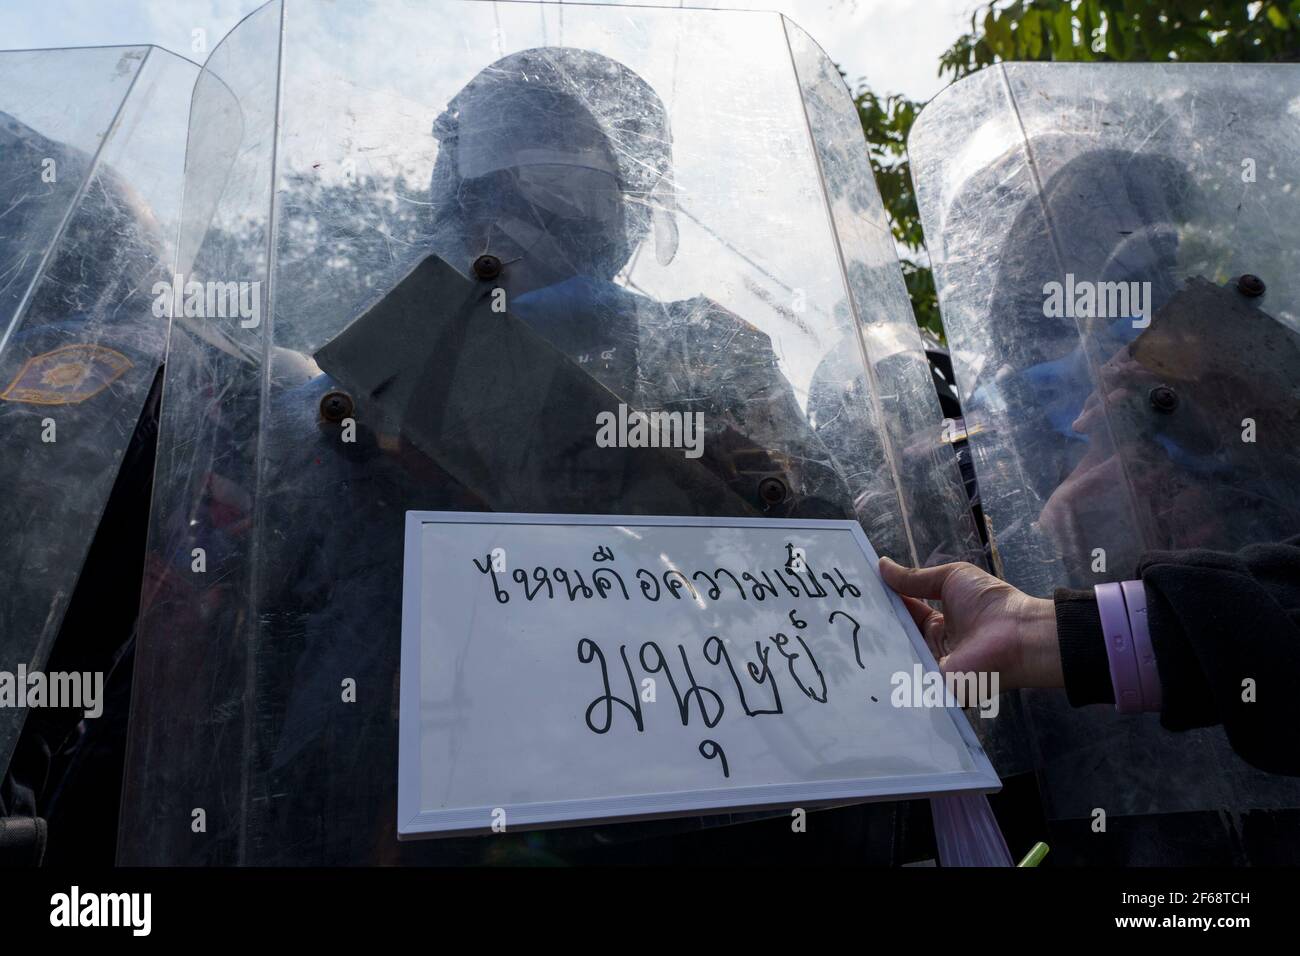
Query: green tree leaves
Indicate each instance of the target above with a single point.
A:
(1127, 30)
(1250, 31)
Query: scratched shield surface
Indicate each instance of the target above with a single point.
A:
(92, 149)
(1104, 431)
(682, 210)
(561, 662)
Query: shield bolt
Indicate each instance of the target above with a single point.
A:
(487, 267)
(772, 491)
(336, 406)
(1250, 285)
(1163, 399)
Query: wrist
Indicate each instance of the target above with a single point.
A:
(1041, 652)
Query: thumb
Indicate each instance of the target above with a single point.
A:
(917, 582)
(964, 658)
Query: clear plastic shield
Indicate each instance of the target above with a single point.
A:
(470, 230)
(1116, 259)
(92, 145)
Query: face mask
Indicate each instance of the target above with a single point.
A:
(573, 193)
(559, 248)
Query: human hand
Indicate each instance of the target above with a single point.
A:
(985, 625)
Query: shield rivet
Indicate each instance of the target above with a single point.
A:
(1163, 399)
(1250, 285)
(772, 491)
(487, 267)
(336, 406)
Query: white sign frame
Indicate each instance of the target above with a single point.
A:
(413, 823)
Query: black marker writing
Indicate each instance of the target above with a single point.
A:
(719, 650)
(857, 651)
(695, 691)
(589, 650)
(780, 640)
(709, 749)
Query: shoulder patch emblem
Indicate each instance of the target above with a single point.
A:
(67, 375)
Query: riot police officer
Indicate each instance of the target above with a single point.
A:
(79, 389)
(545, 195)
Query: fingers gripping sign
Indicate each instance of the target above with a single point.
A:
(985, 624)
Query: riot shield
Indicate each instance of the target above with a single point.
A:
(466, 230)
(91, 162)
(1116, 260)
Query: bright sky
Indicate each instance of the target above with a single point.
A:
(895, 44)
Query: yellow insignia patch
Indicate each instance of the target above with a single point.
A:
(66, 375)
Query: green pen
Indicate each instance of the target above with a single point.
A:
(1035, 854)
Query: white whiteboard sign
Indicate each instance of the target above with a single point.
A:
(558, 669)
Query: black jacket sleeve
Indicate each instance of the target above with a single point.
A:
(1225, 627)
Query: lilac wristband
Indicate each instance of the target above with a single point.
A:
(1119, 648)
(1135, 599)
